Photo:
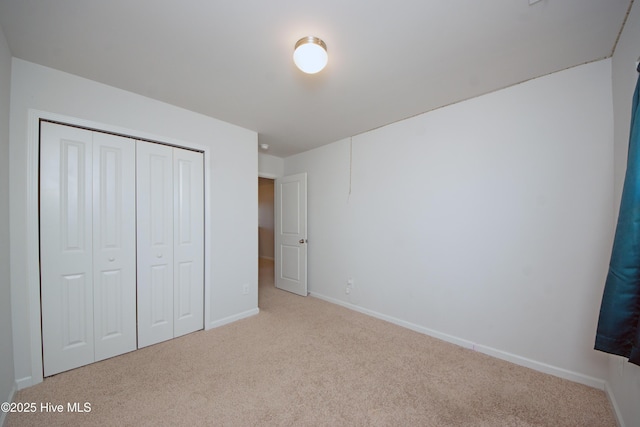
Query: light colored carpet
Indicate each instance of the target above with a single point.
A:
(303, 361)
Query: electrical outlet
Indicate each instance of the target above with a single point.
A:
(245, 289)
(349, 287)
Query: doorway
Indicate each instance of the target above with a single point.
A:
(266, 232)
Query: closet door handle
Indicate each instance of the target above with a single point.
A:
(159, 256)
(111, 259)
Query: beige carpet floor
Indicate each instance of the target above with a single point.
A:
(306, 362)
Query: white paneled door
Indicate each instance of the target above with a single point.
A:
(114, 245)
(155, 242)
(170, 242)
(87, 239)
(188, 241)
(291, 233)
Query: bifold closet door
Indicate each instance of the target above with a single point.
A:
(155, 242)
(66, 247)
(114, 245)
(87, 246)
(188, 232)
(170, 242)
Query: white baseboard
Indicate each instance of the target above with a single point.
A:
(3, 415)
(614, 404)
(445, 337)
(231, 319)
(25, 382)
(499, 354)
(543, 367)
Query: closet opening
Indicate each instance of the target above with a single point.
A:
(121, 243)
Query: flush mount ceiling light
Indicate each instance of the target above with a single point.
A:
(310, 54)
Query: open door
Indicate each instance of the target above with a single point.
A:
(291, 233)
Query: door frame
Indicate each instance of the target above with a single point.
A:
(33, 221)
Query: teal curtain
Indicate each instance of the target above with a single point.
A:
(619, 322)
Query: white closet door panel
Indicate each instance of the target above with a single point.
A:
(114, 245)
(188, 234)
(155, 242)
(66, 247)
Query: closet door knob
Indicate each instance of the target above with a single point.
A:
(159, 256)
(111, 259)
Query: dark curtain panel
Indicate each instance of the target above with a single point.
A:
(618, 325)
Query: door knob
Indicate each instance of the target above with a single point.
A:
(159, 256)
(302, 241)
(111, 259)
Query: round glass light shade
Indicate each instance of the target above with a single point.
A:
(310, 54)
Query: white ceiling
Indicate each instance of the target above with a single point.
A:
(388, 60)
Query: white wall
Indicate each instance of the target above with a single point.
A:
(233, 190)
(624, 378)
(270, 166)
(486, 223)
(7, 379)
(266, 244)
